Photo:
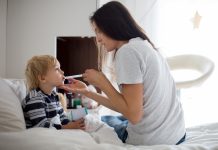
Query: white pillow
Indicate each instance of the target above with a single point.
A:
(11, 114)
(18, 86)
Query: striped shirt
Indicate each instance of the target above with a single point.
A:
(39, 109)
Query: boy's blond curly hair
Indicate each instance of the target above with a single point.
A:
(38, 66)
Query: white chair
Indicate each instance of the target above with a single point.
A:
(202, 65)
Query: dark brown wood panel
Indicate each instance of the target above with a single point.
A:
(76, 54)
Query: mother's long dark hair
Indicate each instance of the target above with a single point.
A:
(114, 20)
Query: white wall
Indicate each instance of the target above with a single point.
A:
(3, 14)
(32, 27)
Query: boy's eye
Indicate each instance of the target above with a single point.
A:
(57, 69)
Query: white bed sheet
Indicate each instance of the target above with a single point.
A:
(203, 137)
(103, 137)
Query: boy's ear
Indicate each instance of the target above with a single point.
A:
(41, 78)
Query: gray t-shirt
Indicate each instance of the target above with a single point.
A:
(163, 120)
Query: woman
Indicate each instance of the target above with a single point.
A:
(147, 99)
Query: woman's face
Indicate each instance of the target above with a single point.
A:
(108, 43)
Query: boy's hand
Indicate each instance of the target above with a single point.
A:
(78, 124)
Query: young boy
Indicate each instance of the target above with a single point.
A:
(41, 106)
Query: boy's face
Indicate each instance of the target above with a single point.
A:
(55, 76)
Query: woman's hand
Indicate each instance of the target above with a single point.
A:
(94, 77)
(75, 86)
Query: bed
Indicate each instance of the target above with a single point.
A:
(14, 135)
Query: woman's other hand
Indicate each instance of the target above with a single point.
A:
(75, 86)
(94, 77)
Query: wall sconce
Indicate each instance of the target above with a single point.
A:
(196, 20)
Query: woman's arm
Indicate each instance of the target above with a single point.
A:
(129, 102)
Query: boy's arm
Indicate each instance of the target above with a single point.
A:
(35, 110)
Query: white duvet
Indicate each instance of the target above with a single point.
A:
(97, 137)
(203, 137)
